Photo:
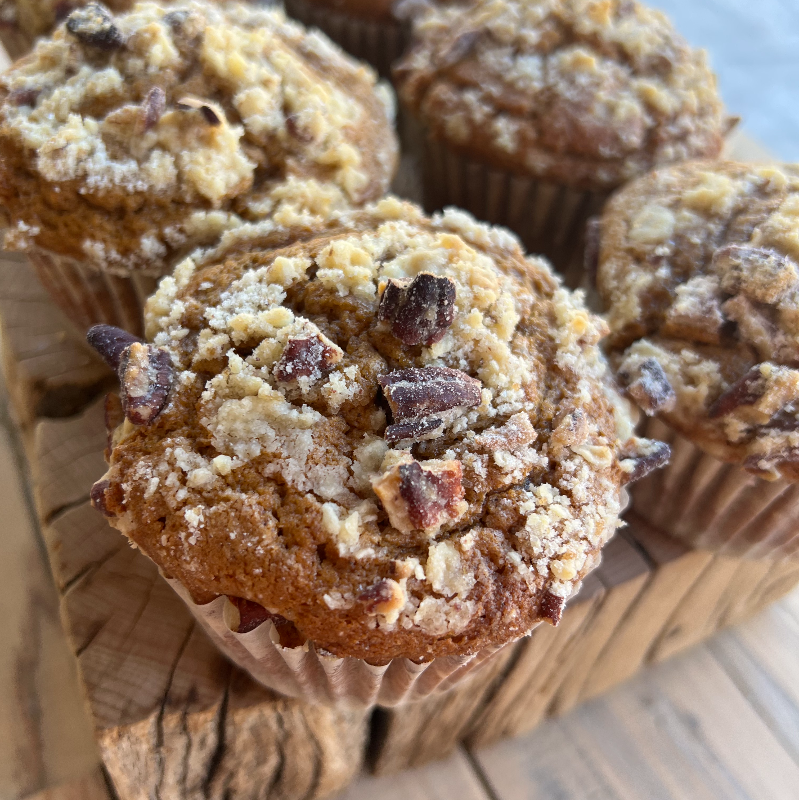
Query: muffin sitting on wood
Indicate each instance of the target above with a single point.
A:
(698, 266)
(128, 141)
(534, 110)
(398, 440)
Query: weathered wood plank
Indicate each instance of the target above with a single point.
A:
(682, 730)
(45, 737)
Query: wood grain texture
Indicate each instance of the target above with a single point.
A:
(45, 736)
(50, 370)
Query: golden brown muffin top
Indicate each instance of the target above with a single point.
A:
(127, 141)
(588, 93)
(401, 436)
(698, 269)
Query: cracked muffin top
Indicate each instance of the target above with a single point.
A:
(401, 436)
(586, 93)
(128, 141)
(698, 269)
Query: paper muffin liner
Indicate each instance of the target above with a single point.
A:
(14, 41)
(380, 44)
(713, 505)
(550, 219)
(311, 674)
(89, 297)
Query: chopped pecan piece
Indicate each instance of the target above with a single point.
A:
(145, 375)
(110, 342)
(784, 420)
(211, 112)
(153, 105)
(418, 429)
(243, 616)
(551, 608)
(384, 597)
(648, 386)
(756, 325)
(749, 389)
(422, 496)
(93, 25)
(307, 357)
(97, 497)
(762, 274)
(416, 393)
(419, 311)
(645, 456)
(769, 466)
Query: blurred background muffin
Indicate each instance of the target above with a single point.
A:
(532, 112)
(698, 267)
(400, 438)
(127, 141)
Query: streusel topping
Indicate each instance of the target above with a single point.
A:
(129, 139)
(401, 435)
(699, 269)
(588, 93)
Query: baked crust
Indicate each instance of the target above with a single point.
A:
(286, 493)
(698, 270)
(585, 93)
(187, 121)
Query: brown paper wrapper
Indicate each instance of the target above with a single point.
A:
(713, 505)
(15, 42)
(311, 674)
(90, 297)
(380, 44)
(549, 219)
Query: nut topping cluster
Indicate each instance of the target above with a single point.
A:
(398, 438)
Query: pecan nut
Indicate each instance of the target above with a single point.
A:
(551, 608)
(417, 394)
(145, 372)
(211, 112)
(422, 496)
(643, 457)
(648, 386)
(419, 311)
(749, 389)
(384, 597)
(145, 375)
(153, 105)
(93, 25)
(97, 497)
(307, 357)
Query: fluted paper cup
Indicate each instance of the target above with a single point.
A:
(713, 505)
(310, 673)
(88, 296)
(550, 219)
(380, 44)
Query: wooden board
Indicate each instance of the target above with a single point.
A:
(173, 719)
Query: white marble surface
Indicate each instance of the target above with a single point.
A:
(753, 45)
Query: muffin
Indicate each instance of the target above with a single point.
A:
(698, 269)
(128, 141)
(397, 446)
(532, 111)
(367, 29)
